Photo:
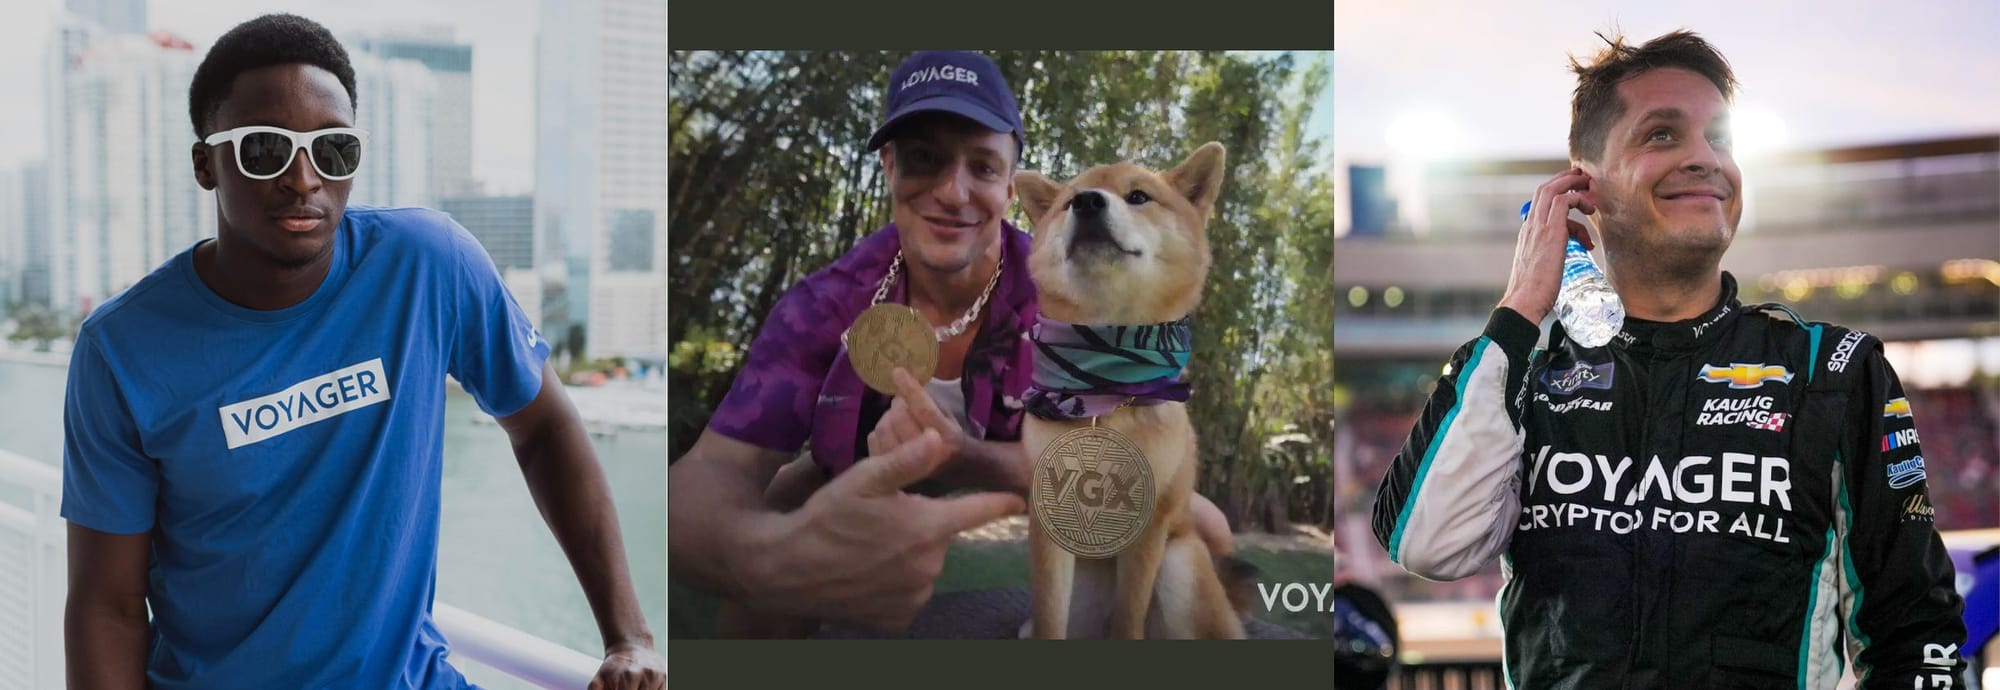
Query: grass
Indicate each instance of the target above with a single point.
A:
(691, 614)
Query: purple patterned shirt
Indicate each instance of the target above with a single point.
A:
(797, 383)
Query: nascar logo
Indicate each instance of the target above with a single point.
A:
(1906, 437)
(1745, 376)
(1899, 408)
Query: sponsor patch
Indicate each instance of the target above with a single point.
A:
(1905, 473)
(1918, 508)
(313, 400)
(1583, 375)
(1899, 439)
(1755, 413)
(1837, 362)
(1898, 408)
(1740, 494)
(1579, 403)
(1742, 376)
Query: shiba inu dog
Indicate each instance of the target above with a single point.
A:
(1122, 245)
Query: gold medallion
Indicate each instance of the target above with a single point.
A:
(889, 336)
(1093, 492)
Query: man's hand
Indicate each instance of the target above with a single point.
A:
(969, 462)
(861, 550)
(631, 666)
(910, 414)
(1538, 254)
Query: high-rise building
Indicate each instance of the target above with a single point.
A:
(396, 99)
(115, 16)
(601, 162)
(450, 117)
(122, 194)
(122, 197)
(504, 225)
(34, 262)
(13, 236)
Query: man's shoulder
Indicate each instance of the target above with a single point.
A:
(856, 272)
(167, 285)
(405, 228)
(1832, 347)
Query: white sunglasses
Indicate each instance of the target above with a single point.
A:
(263, 153)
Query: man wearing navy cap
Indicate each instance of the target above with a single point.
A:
(816, 541)
(790, 544)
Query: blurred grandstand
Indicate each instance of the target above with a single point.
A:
(1899, 239)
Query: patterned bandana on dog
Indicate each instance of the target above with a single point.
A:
(1088, 371)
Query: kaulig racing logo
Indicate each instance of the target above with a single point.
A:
(1739, 494)
(1903, 474)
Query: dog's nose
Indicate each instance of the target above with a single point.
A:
(1088, 204)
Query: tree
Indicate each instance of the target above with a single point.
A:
(770, 182)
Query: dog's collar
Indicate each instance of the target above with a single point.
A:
(1089, 370)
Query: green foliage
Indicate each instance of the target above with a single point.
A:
(770, 182)
(34, 322)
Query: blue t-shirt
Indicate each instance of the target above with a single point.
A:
(287, 462)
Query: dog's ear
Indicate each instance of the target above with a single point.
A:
(1199, 178)
(1038, 193)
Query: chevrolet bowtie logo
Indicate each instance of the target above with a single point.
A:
(1744, 376)
(1899, 407)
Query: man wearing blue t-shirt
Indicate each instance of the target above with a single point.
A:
(253, 432)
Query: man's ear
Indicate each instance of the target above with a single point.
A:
(1591, 171)
(1199, 178)
(204, 174)
(887, 155)
(1038, 195)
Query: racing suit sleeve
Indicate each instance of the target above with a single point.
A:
(1900, 608)
(1450, 499)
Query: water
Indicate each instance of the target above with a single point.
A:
(495, 558)
(1587, 306)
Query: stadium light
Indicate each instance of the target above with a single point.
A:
(1757, 131)
(1425, 135)
(1904, 283)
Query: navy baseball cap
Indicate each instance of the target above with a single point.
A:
(951, 81)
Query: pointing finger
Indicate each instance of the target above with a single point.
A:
(960, 513)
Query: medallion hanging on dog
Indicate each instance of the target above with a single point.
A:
(1093, 491)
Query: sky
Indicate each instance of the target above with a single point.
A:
(1486, 80)
(501, 32)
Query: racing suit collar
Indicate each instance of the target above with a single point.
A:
(1644, 337)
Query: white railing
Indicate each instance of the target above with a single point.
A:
(33, 584)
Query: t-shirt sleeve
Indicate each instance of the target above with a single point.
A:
(497, 352)
(109, 484)
(771, 402)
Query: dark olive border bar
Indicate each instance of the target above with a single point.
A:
(1013, 24)
(1016, 665)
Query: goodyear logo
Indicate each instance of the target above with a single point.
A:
(1745, 376)
(1899, 408)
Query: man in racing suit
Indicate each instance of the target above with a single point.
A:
(1722, 496)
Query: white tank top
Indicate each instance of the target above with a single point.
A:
(950, 399)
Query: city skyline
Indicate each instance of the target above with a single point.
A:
(122, 200)
(501, 33)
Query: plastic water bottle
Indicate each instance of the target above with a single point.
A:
(1586, 305)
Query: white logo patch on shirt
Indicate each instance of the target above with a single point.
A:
(315, 399)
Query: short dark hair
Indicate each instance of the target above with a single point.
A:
(1596, 104)
(273, 39)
